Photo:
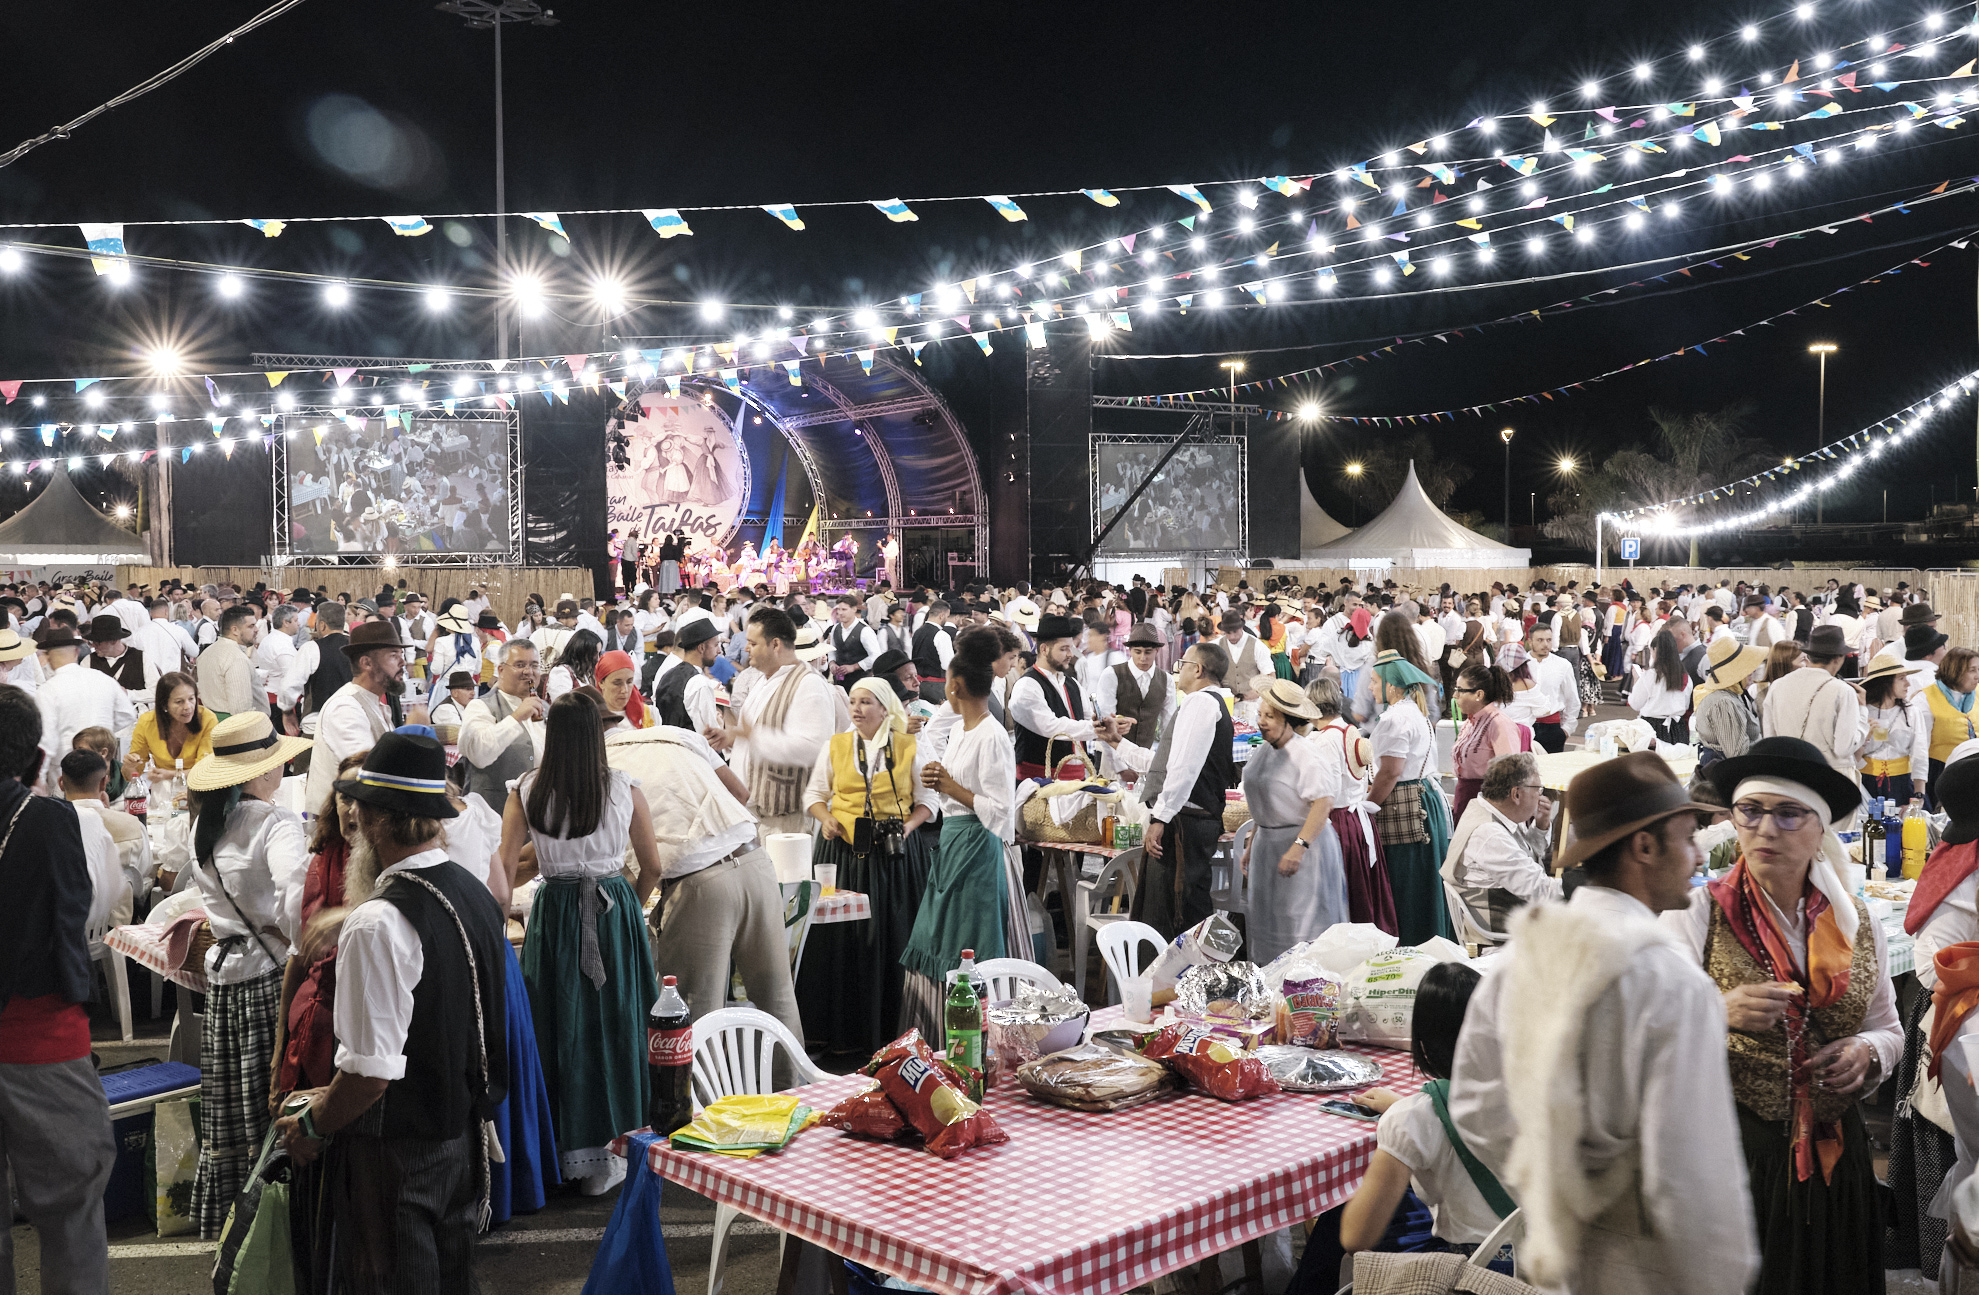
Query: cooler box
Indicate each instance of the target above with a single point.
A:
(132, 1094)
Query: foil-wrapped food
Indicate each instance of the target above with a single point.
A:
(1094, 1077)
(1034, 1023)
(1303, 1070)
(1224, 990)
(1214, 939)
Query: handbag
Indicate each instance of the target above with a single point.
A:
(1400, 820)
(256, 1251)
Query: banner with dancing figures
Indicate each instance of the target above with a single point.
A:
(685, 472)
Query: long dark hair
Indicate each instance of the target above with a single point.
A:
(1395, 632)
(1494, 683)
(1668, 662)
(161, 701)
(1442, 996)
(580, 653)
(567, 798)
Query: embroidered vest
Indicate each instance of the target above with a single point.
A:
(892, 797)
(1759, 1061)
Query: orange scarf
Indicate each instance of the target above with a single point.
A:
(1826, 979)
(1954, 998)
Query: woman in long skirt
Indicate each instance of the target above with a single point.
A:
(586, 962)
(976, 778)
(865, 781)
(1414, 823)
(1298, 887)
(1349, 760)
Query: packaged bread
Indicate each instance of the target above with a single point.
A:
(1094, 1077)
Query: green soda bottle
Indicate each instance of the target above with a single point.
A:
(963, 1016)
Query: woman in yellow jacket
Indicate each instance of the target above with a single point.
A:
(175, 734)
(1942, 715)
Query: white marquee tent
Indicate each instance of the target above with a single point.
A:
(1413, 532)
(1316, 525)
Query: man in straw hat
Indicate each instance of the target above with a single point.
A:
(1590, 1076)
(361, 711)
(55, 1139)
(422, 1037)
(17, 661)
(1726, 719)
(249, 862)
(1812, 704)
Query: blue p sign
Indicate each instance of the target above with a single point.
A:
(1631, 549)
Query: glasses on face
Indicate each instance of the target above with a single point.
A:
(1532, 786)
(1749, 813)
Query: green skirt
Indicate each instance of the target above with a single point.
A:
(592, 1040)
(962, 907)
(1281, 665)
(1815, 1238)
(1414, 877)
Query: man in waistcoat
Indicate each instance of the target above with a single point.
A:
(854, 645)
(363, 710)
(1135, 689)
(933, 648)
(126, 665)
(1046, 703)
(1187, 773)
(683, 694)
(319, 667)
(501, 733)
(783, 723)
(422, 1037)
(1250, 660)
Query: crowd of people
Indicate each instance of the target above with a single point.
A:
(609, 770)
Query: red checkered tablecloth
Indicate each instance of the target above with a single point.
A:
(845, 906)
(1075, 1202)
(145, 946)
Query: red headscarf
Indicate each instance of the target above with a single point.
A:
(610, 664)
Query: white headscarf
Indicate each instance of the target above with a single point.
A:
(1826, 869)
(883, 692)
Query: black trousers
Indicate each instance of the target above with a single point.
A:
(1173, 894)
(1670, 730)
(1550, 737)
(405, 1214)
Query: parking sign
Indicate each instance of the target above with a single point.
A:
(1631, 548)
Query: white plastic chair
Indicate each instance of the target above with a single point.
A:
(1229, 888)
(1005, 974)
(113, 974)
(1118, 878)
(1509, 1232)
(1461, 917)
(733, 1051)
(1120, 949)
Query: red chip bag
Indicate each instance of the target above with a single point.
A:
(938, 1108)
(1210, 1064)
(911, 1044)
(866, 1114)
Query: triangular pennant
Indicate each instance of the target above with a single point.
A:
(666, 222)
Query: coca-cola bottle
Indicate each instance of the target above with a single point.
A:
(670, 1060)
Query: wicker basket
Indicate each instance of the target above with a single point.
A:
(1236, 813)
(1035, 821)
(202, 940)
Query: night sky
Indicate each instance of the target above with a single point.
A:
(367, 107)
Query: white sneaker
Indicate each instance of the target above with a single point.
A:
(599, 1183)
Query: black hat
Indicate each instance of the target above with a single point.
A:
(1796, 761)
(487, 621)
(405, 775)
(1921, 640)
(460, 679)
(889, 661)
(694, 633)
(1826, 643)
(1960, 800)
(371, 636)
(1917, 614)
(1056, 627)
(106, 629)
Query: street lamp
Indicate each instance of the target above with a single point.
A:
(1236, 367)
(1354, 470)
(482, 15)
(1506, 436)
(1824, 350)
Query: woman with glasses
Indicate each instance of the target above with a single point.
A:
(1487, 731)
(1805, 975)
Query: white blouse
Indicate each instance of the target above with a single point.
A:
(818, 790)
(1402, 731)
(1651, 699)
(1329, 744)
(983, 760)
(261, 858)
(602, 853)
(1310, 777)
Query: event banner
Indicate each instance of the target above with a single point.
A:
(685, 473)
(1193, 506)
(409, 485)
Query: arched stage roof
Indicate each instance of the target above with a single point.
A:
(882, 443)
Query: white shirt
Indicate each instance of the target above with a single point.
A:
(1403, 732)
(1433, 640)
(379, 963)
(109, 892)
(698, 698)
(1093, 671)
(272, 657)
(1809, 703)
(1028, 708)
(74, 698)
(132, 613)
(984, 760)
(1650, 699)
(132, 842)
(1411, 1132)
(858, 636)
(818, 790)
(159, 644)
(1657, 1085)
(1105, 694)
(261, 859)
(1554, 675)
(351, 721)
(1495, 857)
(1193, 731)
(1954, 921)
(1261, 655)
(807, 726)
(1880, 1028)
(482, 740)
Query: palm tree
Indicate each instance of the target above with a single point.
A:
(1692, 452)
(1388, 467)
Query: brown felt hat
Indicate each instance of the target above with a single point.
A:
(1620, 796)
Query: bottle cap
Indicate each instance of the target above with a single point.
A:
(667, 981)
(969, 954)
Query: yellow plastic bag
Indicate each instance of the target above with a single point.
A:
(745, 1125)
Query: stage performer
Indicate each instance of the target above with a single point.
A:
(890, 559)
(673, 550)
(845, 552)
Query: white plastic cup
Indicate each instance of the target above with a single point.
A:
(827, 877)
(1137, 995)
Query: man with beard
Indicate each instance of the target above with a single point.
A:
(418, 1072)
(363, 710)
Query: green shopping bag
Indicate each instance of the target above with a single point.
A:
(255, 1255)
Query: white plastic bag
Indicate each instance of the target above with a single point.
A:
(1381, 993)
(1338, 949)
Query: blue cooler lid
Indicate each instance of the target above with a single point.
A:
(148, 1081)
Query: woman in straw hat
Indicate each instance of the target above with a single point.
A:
(1414, 823)
(1726, 722)
(1805, 976)
(250, 860)
(1884, 756)
(865, 780)
(1298, 886)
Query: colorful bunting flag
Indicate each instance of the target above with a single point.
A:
(549, 220)
(865, 361)
(666, 222)
(1708, 132)
(1009, 210)
(732, 380)
(408, 226)
(791, 367)
(1190, 192)
(673, 384)
(983, 340)
(895, 210)
(1282, 186)
(914, 349)
(268, 228)
(1825, 110)
(1402, 259)
(786, 213)
(1523, 165)
(107, 244)
(11, 389)
(1102, 197)
(275, 376)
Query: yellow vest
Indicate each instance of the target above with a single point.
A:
(893, 797)
(1949, 727)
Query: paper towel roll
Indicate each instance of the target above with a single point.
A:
(791, 853)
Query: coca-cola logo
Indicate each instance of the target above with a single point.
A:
(669, 1047)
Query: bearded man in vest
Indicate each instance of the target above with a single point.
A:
(1135, 689)
(361, 712)
(683, 693)
(501, 734)
(422, 1037)
(1052, 719)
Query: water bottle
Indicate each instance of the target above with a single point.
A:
(1893, 844)
(670, 1060)
(962, 1015)
(1916, 839)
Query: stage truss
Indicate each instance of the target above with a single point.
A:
(1152, 555)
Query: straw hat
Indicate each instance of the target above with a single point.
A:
(244, 746)
(454, 622)
(1886, 663)
(810, 645)
(1730, 662)
(12, 646)
(1289, 700)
